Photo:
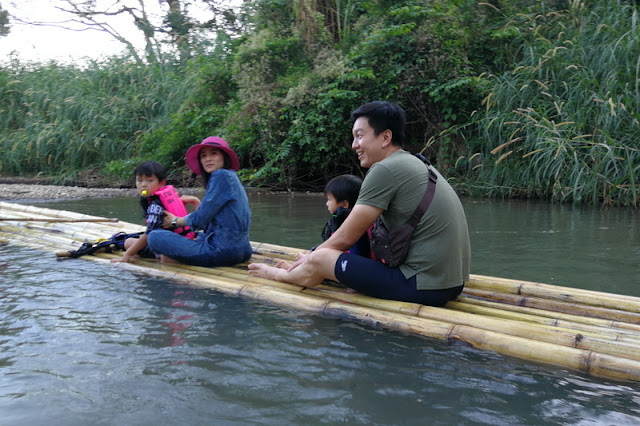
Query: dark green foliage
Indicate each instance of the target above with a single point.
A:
(4, 22)
(207, 87)
(508, 98)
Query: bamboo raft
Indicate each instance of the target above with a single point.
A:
(592, 332)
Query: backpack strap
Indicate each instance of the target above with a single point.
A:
(428, 195)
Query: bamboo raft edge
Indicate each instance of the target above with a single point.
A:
(482, 317)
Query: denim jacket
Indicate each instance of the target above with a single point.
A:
(224, 215)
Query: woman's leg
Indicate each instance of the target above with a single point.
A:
(176, 247)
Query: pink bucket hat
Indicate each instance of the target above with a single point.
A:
(193, 153)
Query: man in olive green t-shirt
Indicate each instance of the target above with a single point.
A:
(439, 256)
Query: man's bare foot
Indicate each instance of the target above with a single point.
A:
(265, 271)
(165, 259)
(283, 265)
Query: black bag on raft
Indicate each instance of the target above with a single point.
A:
(391, 248)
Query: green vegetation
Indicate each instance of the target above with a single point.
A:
(564, 121)
(531, 99)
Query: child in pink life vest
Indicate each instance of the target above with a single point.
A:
(156, 197)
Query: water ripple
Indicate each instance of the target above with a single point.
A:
(80, 344)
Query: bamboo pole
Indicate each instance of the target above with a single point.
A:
(590, 362)
(26, 211)
(595, 341)
(554, 305)
(553, 315)
(37, 238)
(32, 219)
(526, 288)
(533, 316)
(599, 340)
(338, 302)
(579, 359)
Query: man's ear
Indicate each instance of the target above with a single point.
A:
(387, 135)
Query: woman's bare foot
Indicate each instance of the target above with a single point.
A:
(165, 259)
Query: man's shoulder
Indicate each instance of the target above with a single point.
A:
(401, 162)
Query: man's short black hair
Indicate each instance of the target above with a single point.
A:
(384, 115)
(344, 188)
(151, 168)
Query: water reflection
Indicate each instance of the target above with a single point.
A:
(82, 345)
(584, 247)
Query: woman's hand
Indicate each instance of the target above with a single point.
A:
(168, 218)
(190, 199)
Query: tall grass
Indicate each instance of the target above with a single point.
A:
(58, 120)
(564, 123)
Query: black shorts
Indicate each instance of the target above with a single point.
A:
(373, 278)
(147, 253)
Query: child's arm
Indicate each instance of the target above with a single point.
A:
(137, 245)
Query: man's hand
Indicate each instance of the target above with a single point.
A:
(301, 258)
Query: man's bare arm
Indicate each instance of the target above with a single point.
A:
(359, 220)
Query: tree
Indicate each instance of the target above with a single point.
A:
(4, 22)
(166, 26)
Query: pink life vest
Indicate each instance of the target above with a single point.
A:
(174, 205)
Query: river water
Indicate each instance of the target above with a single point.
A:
(83, 343)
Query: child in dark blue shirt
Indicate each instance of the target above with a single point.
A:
(342, 193)
(150, 177)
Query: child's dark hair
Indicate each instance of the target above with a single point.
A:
(151, 168)
(344, 188)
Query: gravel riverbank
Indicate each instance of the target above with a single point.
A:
(24, 191)
(19, 191)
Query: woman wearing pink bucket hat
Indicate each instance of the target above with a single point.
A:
(223, 216)
(193, 154)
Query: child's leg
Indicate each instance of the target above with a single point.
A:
(129, 242)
